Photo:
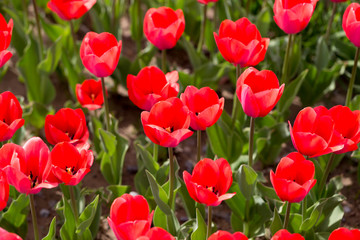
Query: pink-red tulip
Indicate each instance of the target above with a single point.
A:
(204, 105)
(163, 26)
(151, 85)
(100, 53)
(67, 125)
(283, 234)
(5, 235)
(167, 123)
(240, 42)
(209, 181)
(70, 9)
(344, 233)
(89, 94)
(5, 39)
(206, 1)
(10, 115)
(258, 91)
(130, 217)
(351, 23)
(314, 132)
(157, 233)
(223, 235)
(292, 16)
(4, 190)
(294, 177)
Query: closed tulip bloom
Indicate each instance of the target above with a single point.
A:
(204, 105)
(163, 26)
(5, 235)
(292, 16)
(100, 53)
(157, 233)
(5, 39)
(283, 234)
(89, 94)
(70, 9)
(314, 133)
(294, 177)
(151, 85)
(130, 217)
(209, 181)
(344, 233)
(240, 42)
(167, 123)
(223, 235)
(67, 125)
(258, 91)
(10, 115)
(351, 23)
(4, 190)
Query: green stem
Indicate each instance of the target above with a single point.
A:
(163, 60)
(327, 34)
(235, 109)
(25, 11)
(156, 152)
(73, 203)
(107, 112)
(251, 140)
(208, 233)
(352, 79)
(287, 215)
(198, 145)
(248, 3)
(34, 218)
(286, 60)
(171, 177)
(73, 35)
(113, 18)
(303, 208)
(37, 18)
(202, 32)
(326, 174)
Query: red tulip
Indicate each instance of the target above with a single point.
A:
(313, 132)
(283, 234)
(338, 1)
(343, 233)
(5, 39)
(258, 91)
(206, 1)
(240, 42)
(157, 233)
(100, 53)
(89, 94)
(223, 235)
(151, 85)
(351, 23)
(67, 125)
(4, 190)
(129, 217)
(167, 123)
(163, 26)
(292, 16)
(204, 105)
(70, 9)
(29, 167)
(294, 177)
(10, 115)
(8, 236)
(209, 181)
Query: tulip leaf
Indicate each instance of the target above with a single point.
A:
(276, 223)
(259, 214)
(199, 232)
(87, 216)
(263, 21)
(52, 231)
(160, 218)
(53, 55)
(237, 224)
(189, 203)
(108, 141)
(322, 56)
(267, 191)
(118, 190)
(189, 48)
(237, 202)
(295, 220)
(246, 178)
(136, 19)
(67, 231)
(144, 155)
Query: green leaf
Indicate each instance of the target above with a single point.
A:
(67, 231)
(136, 20)
(263, 21)
(87, 216)
(237, 202)
(276, 223)
(52, 231)
(267, 191)
(145, 156)
(49, 64)
(108, 141)
(199, 232)
(160, 218)
(246, 178)
(118, 190)
(322, 56)
(159, 194)
(189, 48)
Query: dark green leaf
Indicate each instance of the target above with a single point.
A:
(159, 194)
(276, 223)
(52, 231)
(67, 231)
(199, 232)
(87, 216)
(246, 178)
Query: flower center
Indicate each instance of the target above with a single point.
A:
(33, 179)
(92, 97)
(169, 129)
(213, 189)
(70, 170)
(70, 135)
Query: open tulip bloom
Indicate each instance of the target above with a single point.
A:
(283, 234)
(70, 9)
(5, 39)
(351, 23)
(89, 94)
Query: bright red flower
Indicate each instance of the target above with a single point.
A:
(314, 132)
(10, 115)
(204, 105)
(157, 233)
(240, 42)
(292, 16)
(351, 23)
(338, 1)
(223, 235)
(70, 9)
(4, 190)
(89, 94)
(5, 39)
(206, 1)
(167, 123)
(209, 181)
(258, 91)
(100, 53)
(67, 125)
(294, 177)
(150, 86)
(343, 233)
(8, 236)
(163, 26)
(283, 234)
(29, 166)
(130, 217)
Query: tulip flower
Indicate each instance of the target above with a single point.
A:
(130, 217)
(10, 115)
(206, 1)
(223, 235)
(151, 85)
(240, 42)
(344, 233)
(351, 23)
(283, 234)
(157, 233)
(89, 94)
(8, 236)
(163, 26)
(70, 9)
(100, 53)
(5, 39)
(67, 125)
(314, 133)
(4, 190)
(167, 123)
(294, 177)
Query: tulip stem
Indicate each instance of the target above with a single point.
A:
(208, 233)
(41, 50)
(287, 215)
(113, 17)
(286, 59)
(171, 177)
(327, 34)
(156, 152)
(303, 208)
(198, 145)
(202, 32)
(25, 11)
(163, 60)
(73, 203)
(73, 37)
(251, 140)
(34, 218)
(107, 112)
(326, 174)
(352, 79)
(235, 109)
(248, 3)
